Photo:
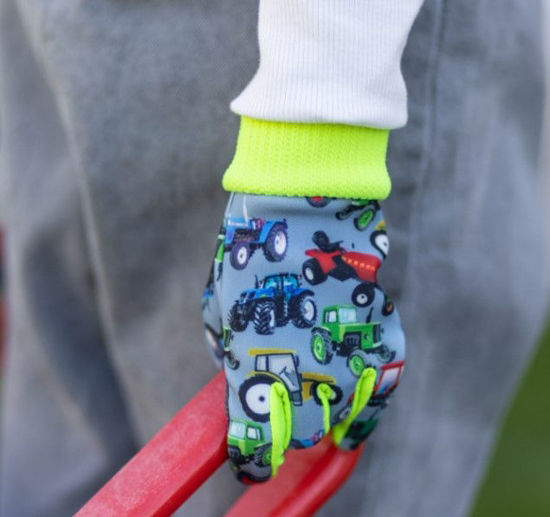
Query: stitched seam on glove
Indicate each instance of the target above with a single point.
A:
(301, 159)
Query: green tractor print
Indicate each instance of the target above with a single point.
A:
(342, 334)
(246, 444)
(367, 212)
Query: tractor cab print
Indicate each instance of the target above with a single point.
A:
(274, 301)
(245, 443)
(243, 236)
(342, 334)
(331, 259)
(272, 365)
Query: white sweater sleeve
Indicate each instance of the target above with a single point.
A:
(330, 61)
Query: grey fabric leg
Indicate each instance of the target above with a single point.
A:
(467, 264)
(64, 427)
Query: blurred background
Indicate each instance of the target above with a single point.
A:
(517, 481)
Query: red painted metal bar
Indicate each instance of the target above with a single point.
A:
(177, 460)
(307, 479)
(189, 448)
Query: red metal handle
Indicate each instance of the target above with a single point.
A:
(189, 449)
(177, 460)
(307, 479)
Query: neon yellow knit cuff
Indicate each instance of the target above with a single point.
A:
(299, 159)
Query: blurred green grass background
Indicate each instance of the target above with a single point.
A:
(517, 481)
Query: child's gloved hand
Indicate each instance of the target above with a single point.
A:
(308, 340)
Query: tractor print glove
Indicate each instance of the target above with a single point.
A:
(309, 342)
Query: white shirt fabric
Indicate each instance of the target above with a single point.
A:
(331, 61)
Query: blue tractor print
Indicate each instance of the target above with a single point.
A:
(243, 236)
(274, 301)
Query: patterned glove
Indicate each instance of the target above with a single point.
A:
(308, 340)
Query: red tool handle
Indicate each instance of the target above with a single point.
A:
(191, 446)
(177, 460)
(304, 483)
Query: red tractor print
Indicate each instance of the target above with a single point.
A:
(388, 378)
(331, 259)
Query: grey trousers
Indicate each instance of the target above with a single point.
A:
(115, 131)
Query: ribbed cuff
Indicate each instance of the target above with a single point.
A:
(300, 159)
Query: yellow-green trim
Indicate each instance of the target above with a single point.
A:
(302, 159)
(363, 392)
(324, 392)
(280, 420)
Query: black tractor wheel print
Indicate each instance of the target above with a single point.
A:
(312, 271)
(213, 339)
(231, 361)
(363, 294)
(387, 306)
(357, 362)
(237, 320)
(379, 239)
(318, 202)
(342, 414)
(276, 243)
(254, 397)
(336, 397)
(303, 311)
(264, 318)
(362, 221)
(321, 346)
(384, 353)
(262, 455)
(235, 455)
(240, 254)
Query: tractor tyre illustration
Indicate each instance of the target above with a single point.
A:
(262, 455)
(254, 396)
(367, 209)
(264, 318)
(214, 340)
(235, 455)
(363, 294)
(276, 243)
(303, 311)
(240, 254)
(318, 201)
(313, 272)
(379, 239)
(357, 362)
(342, 414)
(336, 397)
(231, 361)
(321, 345)
(362, 221)
(388, 306)
(237, 320)
(385, 354)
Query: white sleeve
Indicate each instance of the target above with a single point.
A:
(330, 61)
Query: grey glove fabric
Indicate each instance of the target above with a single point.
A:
(114, 134)
(294, 308)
